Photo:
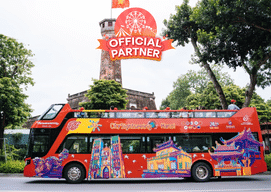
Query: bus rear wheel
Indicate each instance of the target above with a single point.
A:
(201, 172)
(74, 173)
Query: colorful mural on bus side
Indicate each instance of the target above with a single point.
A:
(170, 161)
(235, 155)
(50, 167)
(106, 162)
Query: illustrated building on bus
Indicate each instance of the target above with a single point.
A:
(170, 161)
(106, 162)
(117, 160)
(230, 154)
(95, 162)
(243, 148)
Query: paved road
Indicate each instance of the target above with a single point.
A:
(256, 183)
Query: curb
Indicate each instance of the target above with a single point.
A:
(266, 173)
(11, 174)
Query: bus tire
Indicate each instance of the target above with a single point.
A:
(201, 172)
(74, 173)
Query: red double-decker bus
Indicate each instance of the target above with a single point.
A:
(97, 144)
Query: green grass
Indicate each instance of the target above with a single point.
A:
(10, 166)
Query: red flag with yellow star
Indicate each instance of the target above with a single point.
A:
(120, 3)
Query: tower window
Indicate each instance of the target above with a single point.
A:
(110, 23)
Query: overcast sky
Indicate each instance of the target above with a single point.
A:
(63, 36)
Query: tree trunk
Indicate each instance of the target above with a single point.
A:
(212, 76)
(251, 87)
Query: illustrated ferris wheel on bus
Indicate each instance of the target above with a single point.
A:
(135, 22)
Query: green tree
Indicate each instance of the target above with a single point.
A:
(177, 98)
(15, 74)
(238, 34)
(182, 29)
(210, 100)
(105, 93)
(193, 82)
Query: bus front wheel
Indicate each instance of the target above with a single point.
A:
(201, 172)
(74, 173)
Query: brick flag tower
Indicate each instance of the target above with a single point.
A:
(110, 70)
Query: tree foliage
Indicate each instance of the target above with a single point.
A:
(193, 82)
(105, 93)
(209, 99)
(238, 34)
(15, 61)
(183, 30)
(194, 89)
(15, 74)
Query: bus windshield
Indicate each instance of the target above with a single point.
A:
(52, 112)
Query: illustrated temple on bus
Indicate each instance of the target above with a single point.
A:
(240, 151)
(170, 161)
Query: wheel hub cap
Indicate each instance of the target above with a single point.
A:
(74, 173)
(202, 172)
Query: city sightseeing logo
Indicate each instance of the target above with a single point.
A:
(135, 37)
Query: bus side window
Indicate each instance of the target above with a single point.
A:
(193, 143)
(164, 115)
(186, 114)
(153, 141)
(132, 144)
(151, 115)
(200, 114)
(75, 144)
(111, 115)
(105, 115)
(225, 114)
(175, 114)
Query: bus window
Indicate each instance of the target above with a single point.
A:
(175, 114)
(164, 115)
(153, 141)
(111, 114)
(211, 114)
(132, 144)
(130, 115)
(52, 112)
(200, 114)
(225, 114)
(193, 143)
(89, 114)
(151, 114)
(75, 144)
(186, 114)
(40, 144)
(105, 115)
(203, 114)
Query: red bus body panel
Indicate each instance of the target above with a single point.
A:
(135, 165)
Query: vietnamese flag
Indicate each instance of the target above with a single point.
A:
(120, 3)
